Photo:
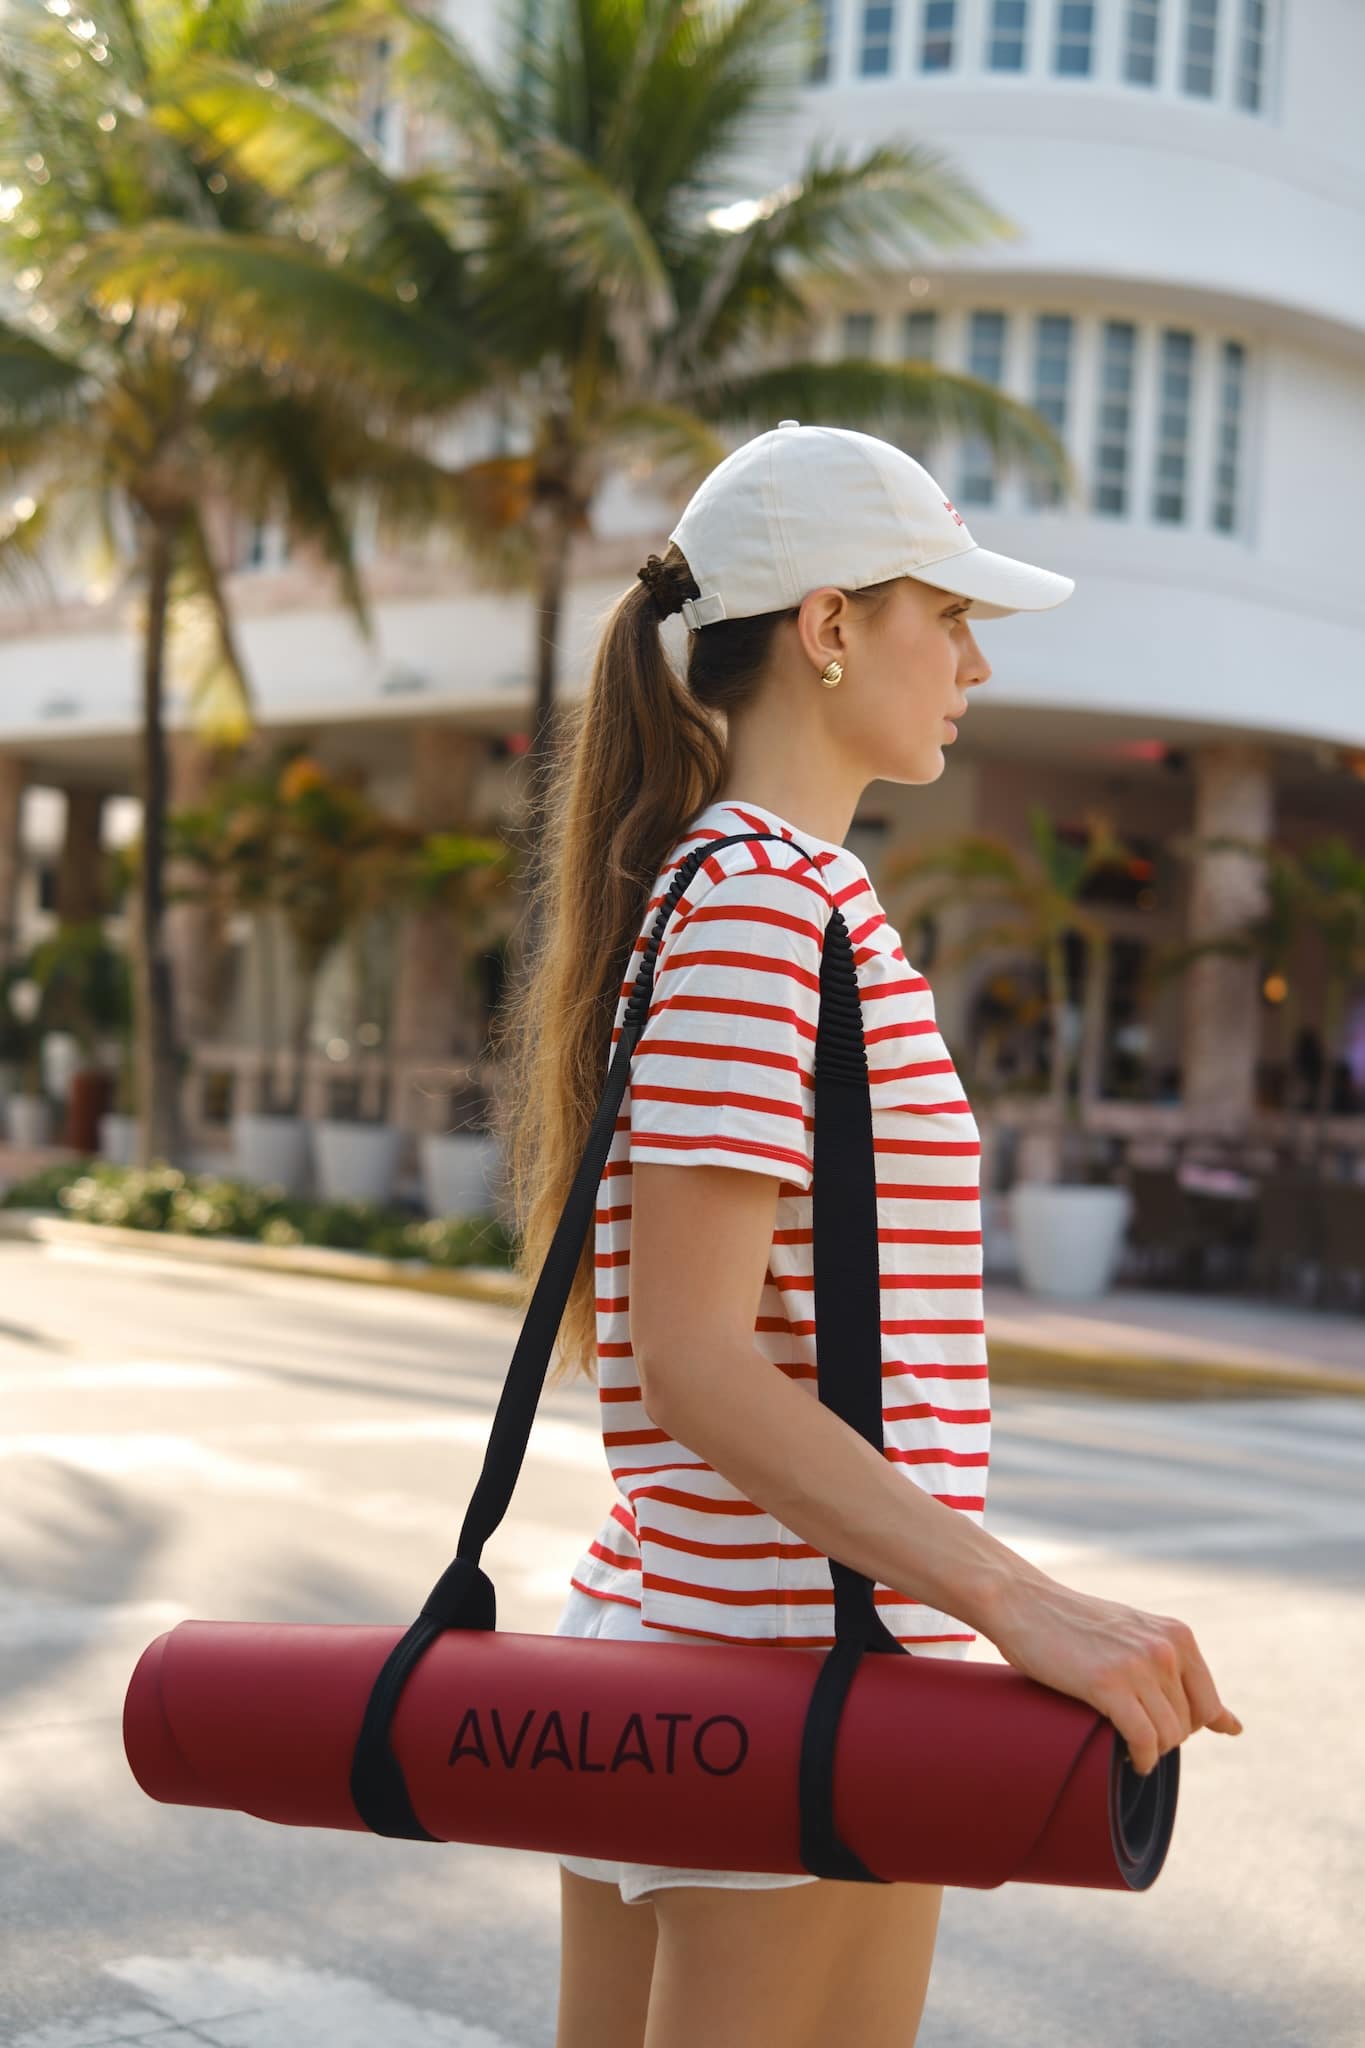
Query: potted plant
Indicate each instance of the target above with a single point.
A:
(393, 868)
(1067, 1230)
(232, 838)
(28, 1112)
(87, 993)
(466, 875)
(118, 1126)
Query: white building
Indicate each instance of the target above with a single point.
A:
(1184, 300)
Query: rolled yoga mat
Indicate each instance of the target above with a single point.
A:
(946, 1772)
(864, 1762)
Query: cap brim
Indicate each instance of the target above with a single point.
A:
(997, 584)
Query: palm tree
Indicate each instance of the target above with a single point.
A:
(287, 836)
(598, 227)
(1041, 897)
(129, 423)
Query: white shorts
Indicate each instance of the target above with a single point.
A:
(586, 1616)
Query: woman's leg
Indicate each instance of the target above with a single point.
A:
(808, 1965)
(606, 1959)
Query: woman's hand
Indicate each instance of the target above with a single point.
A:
(1144, 1671)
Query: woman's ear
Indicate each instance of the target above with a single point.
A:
(822, 626)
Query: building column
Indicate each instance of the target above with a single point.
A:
(13, 777)
(1234, 796)
(202, 958)
(80, 870)
(431, 1018)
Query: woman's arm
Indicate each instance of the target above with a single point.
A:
(700, 1237)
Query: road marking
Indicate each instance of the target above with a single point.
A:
(104, 1374)
(246, 2001)
(29, 1620)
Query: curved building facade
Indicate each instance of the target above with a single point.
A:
(1184, 299)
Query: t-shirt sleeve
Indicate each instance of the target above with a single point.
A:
(723, 1073)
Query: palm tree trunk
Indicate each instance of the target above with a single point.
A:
(1333, 1011)
(301, 1027)
(1059, 1062)
(555, 540)
(1097, 972)
(554, 572)
(161, 1133)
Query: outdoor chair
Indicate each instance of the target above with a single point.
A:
(1288, 1240)
(1164, 1235)
(1342, 1241)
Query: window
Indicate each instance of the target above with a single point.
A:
(1228, 441)
(1007, 44)
(1073, 51)
(919, 341)
(821, 62)
(859, 333)
(936, 42)
(1173, 426)
(1052, 340)
(1201, 25)
(1141, 39)
(918, 331)
(266, 545)
(1248, 79)
(879, 31)
(1114, 424)
(985, 359)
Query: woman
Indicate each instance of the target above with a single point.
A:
(825, 581)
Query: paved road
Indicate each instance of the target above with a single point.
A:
(246, 1445)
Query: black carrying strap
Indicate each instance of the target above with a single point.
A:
(849, 1380)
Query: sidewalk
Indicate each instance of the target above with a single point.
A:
(1140, 1340)
(1132, 1342)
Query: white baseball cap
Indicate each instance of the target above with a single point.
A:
(801, 507)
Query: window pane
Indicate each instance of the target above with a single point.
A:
(1118, 344)
(1052, 335)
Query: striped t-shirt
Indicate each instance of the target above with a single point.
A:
(723, 1074)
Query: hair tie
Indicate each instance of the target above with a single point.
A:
(662, 582)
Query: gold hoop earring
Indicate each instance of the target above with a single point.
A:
(833, 674)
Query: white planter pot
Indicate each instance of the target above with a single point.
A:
(1068, 1239)
(355, 1162)
(272, 1150)
(997, 1238)
(28, 1119)
(118, 1138)
(460, 1172)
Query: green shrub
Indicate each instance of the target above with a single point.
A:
(162, 1198)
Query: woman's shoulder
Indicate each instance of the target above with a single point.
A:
(752, 868)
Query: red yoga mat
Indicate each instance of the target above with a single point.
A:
(654, 1753)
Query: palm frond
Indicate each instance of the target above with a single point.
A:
(318, 165)
(288, 309)
(603, 249)
(971, 857)
(436, 69)
(679, 444)
(38, 383)
(887, 398)
(24, 534)
(697, 101)
(840, 218)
